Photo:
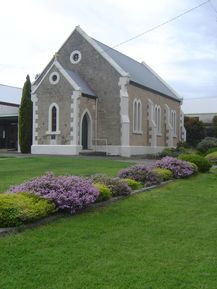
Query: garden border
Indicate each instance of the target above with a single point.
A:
(58, 215)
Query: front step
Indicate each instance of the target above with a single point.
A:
(91, 153)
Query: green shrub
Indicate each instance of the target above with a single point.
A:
(173, 152)
(203, 164)
(194, 167)
(207, 143)
(164, 174)
(211, 150)
(212, 157)
(170, 152)
(21, 208)
(117, 186)
(104, 192)
(133, 184)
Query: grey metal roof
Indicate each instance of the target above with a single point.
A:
(138, 72)
(10, 94)
(85, 89)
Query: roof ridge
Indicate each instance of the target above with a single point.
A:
(117, 51)
(11, 86)
(142, 64)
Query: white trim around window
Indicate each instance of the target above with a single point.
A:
(173, 121)
(137, 116)
(157, 118)
(54, 77)
(50, 120)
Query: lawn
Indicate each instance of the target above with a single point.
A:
(16, 170)
(162, 239)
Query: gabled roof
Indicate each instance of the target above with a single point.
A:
(9, 104)
(10, 94)
(85, 89)
(139, 73)
(73, 78)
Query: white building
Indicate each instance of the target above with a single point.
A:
(9, 109)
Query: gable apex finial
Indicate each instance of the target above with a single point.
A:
(56, 55)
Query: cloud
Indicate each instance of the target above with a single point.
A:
(183, 52)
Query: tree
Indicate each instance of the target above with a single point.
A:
(214, 124)
(195, 131)
(25, 118)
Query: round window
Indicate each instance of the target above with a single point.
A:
(75, 57)
(54, 77)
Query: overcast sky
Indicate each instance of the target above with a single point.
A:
(183, 52)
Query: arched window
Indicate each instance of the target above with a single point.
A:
(173, 121)
(137, 116)
(139, 121)
(53, 119)
(157, 118)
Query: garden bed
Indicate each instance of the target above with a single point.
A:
(57, 215)
(39, 197)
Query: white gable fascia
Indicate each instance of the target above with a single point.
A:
(66, 75)
(63, 72)
(164, 82)
(35, 87)
(101, 52)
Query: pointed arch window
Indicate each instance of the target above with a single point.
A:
(157, 118)
(173, 121)
(137, 116)
(53, 119)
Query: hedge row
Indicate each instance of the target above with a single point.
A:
(43, 195)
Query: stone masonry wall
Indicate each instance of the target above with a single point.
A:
(60, 94)
(103, 80)
(144, 95)
(90, 105)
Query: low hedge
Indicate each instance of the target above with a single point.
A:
(140, 173)
(134, 185)
(164, 174)
(69, 193)
(179, 168)
(212, 157)
(117, 186)
(194, 167)
(21, 208)
(172, 152)
(211, 150)
(206, 144)
(104, 192)
(203, 164)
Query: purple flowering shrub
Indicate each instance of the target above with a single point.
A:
(71, 193)
(179, 168)
(140, 173)
(117, 186)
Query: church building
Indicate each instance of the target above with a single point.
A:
(91, 97)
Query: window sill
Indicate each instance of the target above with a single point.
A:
(138, 132)
(52, 132)
(159, 134)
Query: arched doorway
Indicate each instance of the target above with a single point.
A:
(86, 132)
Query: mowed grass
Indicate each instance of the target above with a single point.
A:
(162, 239)
(15, 170)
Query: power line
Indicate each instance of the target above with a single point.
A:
(149, 30)
(213, 7)
(162, 24)
(141, 34)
